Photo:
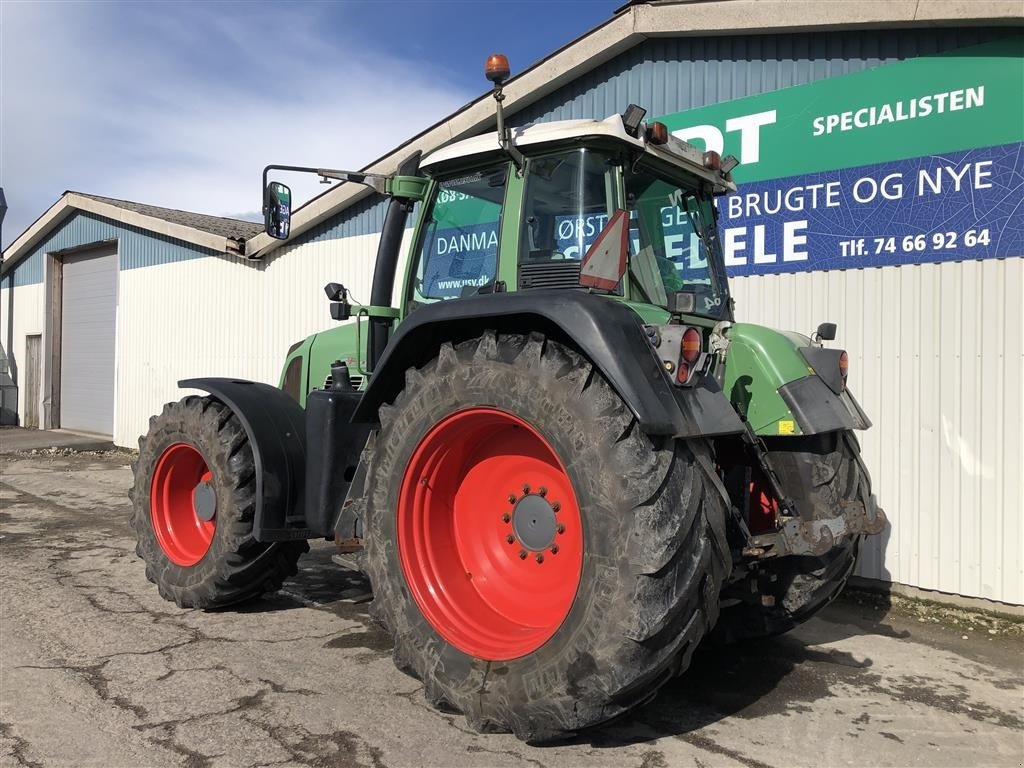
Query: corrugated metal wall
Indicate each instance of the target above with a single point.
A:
(667, 75)
(239, 319)
(22, 313)
(937, 361)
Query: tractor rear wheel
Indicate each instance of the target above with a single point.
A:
(541, 563)
(821, 473)
(192, 509)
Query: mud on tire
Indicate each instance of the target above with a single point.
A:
(654, 543)
(236, 567)
(820, 473)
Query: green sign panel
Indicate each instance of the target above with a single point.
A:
(969, 98)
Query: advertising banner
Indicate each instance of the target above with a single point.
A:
(919, 161)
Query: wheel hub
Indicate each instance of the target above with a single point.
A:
(204, 499)
(534, 523)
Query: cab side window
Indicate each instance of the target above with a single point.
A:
(567, 203)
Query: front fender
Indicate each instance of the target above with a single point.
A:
(606, 331)
(770, 383)
(275, 425)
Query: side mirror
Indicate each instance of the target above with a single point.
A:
(826, 332)
(277, 210)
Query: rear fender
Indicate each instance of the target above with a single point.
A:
(275, 425)
(607, 332)
(771, 384)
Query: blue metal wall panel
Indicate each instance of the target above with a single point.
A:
(364, 218)
(28, 272)
(137, 247)
(668, 75)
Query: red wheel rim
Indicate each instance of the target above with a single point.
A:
(479, 477)
(182, 535)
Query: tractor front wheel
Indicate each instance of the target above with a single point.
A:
(192, 509)
(542, 564)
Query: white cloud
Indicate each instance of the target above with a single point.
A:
(183, 105)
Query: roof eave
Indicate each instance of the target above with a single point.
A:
(71, 202)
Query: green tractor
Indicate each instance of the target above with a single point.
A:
(559, 460)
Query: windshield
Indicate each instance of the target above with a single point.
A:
(672, 234)
(459, 251)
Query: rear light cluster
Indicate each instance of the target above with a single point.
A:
(681, 349)
(844, 367)
(689, 354)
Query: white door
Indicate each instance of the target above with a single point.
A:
(88, 322)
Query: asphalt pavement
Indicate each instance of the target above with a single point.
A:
(97, 670)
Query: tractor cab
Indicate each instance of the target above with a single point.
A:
(615, 206)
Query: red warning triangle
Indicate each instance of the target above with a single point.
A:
(605, 262)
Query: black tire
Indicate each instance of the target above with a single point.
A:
(655, 549)
(236, 567)
(820, 473)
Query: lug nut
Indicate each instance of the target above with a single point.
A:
(543, 491)
(556, 506)
(554, 549)
(540, 557)
(511, 498)
(526, 488)
(522, 554)
(506, 517)
(560, 528)
(510, 539)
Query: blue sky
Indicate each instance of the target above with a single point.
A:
(182, 104)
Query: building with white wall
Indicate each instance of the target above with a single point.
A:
(882, 147)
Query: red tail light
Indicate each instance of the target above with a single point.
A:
(683, 373)
(690, 347)
(844, 366)
(712, 160)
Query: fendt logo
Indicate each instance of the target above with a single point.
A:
(749, 127)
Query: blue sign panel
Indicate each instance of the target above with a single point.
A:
(949, 207)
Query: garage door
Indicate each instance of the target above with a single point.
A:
(88, 315)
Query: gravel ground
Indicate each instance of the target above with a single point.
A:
(96, 669)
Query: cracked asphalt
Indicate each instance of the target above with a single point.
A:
(96, 669)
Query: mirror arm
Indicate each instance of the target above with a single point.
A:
(373, 180)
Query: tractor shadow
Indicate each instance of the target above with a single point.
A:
(320, 583)
(781, 675)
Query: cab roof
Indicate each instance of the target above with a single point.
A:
(674, 151)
